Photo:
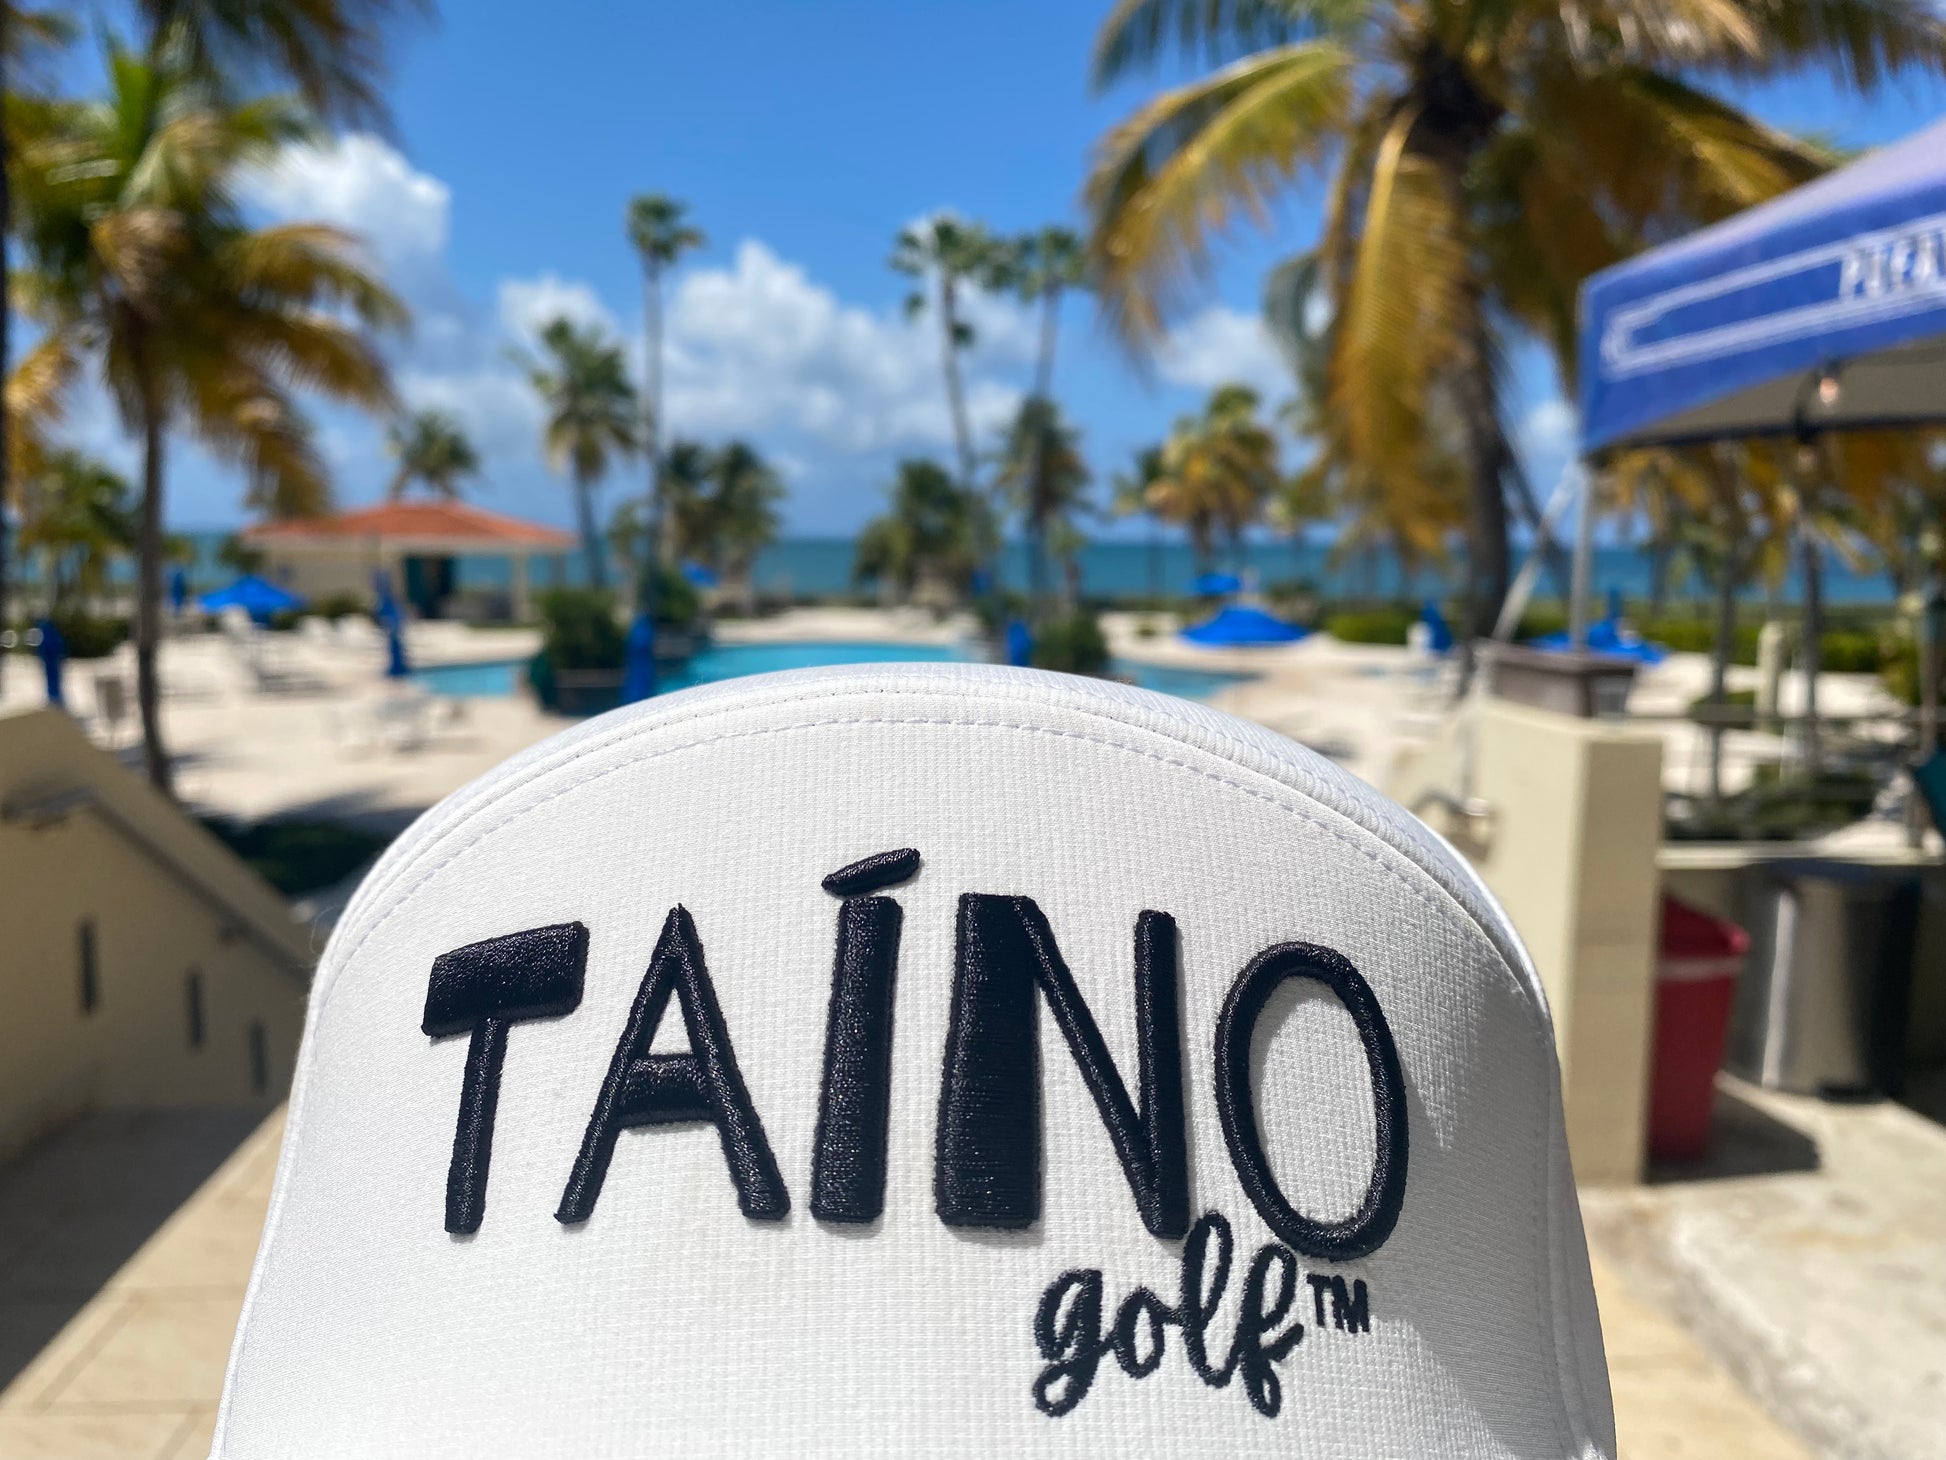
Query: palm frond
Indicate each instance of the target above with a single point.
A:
(310, 266)
(1176, 172)
(1401, 315)
(1137, 33)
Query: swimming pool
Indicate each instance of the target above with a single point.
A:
(729, 661)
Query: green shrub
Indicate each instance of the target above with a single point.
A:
(1698, 636)
(1737, 712)
(1540, 620)
(677, 604)
(91, 636)
(1073, 645)
(579, 630)
(1370, 626)
(335, 606)
(1297, 602)
(1851, 651)
(299, 856)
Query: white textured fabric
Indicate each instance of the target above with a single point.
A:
(671, 1325)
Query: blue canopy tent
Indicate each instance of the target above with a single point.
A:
(1215, 585)
(258, 597)
(1241, 626)
(1823, 309)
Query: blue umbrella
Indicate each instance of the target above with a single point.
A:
(53, 650)
(1020, 643)
(258, 597)
(638, 662)
(1610, 638)
(1439, 635)
(178, 589)
(699, 576)
(1810, 312)
(1241, 626)
(387, 607)
(1214, 585)
(397, 666)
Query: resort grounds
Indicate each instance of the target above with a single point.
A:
(1794, 1282)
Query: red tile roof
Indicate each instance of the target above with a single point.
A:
(451, 521)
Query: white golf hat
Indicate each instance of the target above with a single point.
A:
(921, 1060)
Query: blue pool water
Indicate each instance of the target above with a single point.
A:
(728, 661)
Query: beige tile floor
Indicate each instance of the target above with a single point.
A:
(135, 1372)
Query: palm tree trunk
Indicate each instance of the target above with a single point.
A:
(1721, 646)
(584, 508)
(652, 397)
(1037, 516)
(6, 310)
(148, 597)
(1659, 553)
(955, 390)
(1812, 561)
(1488, 568)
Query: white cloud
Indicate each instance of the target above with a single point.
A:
(1549, 429)
(526, 306)
(1220, 345)
(360, 183)
(755, 346)
(760, 346)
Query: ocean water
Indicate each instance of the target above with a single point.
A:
(821, 566)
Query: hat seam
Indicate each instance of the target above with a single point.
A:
(1140, 710)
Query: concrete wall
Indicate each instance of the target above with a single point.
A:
(1568, 845)
(90, 854)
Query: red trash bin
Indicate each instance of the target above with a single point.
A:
(1696, 978)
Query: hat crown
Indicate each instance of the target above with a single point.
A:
(921, 1059)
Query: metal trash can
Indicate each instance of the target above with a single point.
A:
(1822, 1006)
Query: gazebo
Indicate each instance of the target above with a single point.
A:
(418, 543)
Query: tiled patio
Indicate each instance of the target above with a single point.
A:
(125, 1246)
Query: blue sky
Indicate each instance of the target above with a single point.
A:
(803, 135)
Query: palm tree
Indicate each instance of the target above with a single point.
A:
(744, 519)
(1042, 477)
(686, 471)
(592, 417)
(937, 532)
(78, 516)
(1045, 266)
(141, 261)
(1217, 472)
(1130, 498)
(1485, 157)
(431, 448)
(660, 237)
(27, 37)
(947, 255)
